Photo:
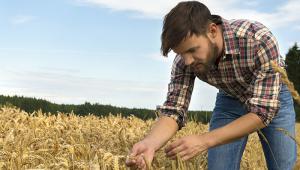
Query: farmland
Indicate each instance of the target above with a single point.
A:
(66, 141)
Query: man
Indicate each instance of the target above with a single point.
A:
(235, 57)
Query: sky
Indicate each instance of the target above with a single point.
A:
(108, 51)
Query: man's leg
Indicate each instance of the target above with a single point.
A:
(228, 156)
(280, 148)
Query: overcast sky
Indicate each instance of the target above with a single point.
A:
(108, 51)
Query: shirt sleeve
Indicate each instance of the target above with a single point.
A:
(266, 87)
(179, 93)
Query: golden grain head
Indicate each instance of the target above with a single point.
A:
(44, 141)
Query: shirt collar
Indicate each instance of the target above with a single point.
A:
(230, 41)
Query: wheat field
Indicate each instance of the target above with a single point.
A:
(66, 141)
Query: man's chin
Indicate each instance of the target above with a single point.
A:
(200, 70)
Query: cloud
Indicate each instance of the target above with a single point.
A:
(280, 17)
(22, 19)
(66, 87)
(252, 3)
(145, 7)
(297, 27)
(159, 57)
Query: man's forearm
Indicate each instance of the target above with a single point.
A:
(236, 129)
(161, 132)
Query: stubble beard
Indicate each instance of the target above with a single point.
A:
(202, 67)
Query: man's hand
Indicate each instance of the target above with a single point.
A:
(187, 147)
(140, 151)
(152, 142)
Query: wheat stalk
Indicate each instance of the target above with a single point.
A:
(284, 78)
(45, 141)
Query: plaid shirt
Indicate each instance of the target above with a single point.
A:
(243, 72)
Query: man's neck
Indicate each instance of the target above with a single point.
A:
(220, 45)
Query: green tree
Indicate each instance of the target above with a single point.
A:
(293, 70)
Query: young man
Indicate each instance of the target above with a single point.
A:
(235, 57)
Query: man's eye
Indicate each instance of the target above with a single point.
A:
(192, 50)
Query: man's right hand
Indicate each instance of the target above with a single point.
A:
(138, 151)
(152, 142)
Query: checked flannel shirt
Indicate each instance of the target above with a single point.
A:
(243, 72)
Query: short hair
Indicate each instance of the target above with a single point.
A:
(185, 19)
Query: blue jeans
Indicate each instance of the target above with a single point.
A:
(228, 156)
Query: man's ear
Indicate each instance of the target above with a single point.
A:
(212, 29)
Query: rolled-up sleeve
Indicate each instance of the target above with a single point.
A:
(266, 87)
(179, 93)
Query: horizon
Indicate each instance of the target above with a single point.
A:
(95, 103)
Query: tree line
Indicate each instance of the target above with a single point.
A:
(30, 105)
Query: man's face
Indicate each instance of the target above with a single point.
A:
(198, 52)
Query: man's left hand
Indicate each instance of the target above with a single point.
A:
(187, 147)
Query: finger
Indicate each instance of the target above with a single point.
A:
(173, 145)
(174, 157)
(175, 151)
(184, 155)
(188, 155)
(147, 160)
(144, 167)
(180, 154)
(135, 151)
(140, 162)
(130, 162)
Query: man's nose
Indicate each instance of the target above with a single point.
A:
(188, 60)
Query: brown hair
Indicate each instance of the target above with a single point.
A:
(185, 19)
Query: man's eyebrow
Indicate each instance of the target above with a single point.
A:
(190, 49)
